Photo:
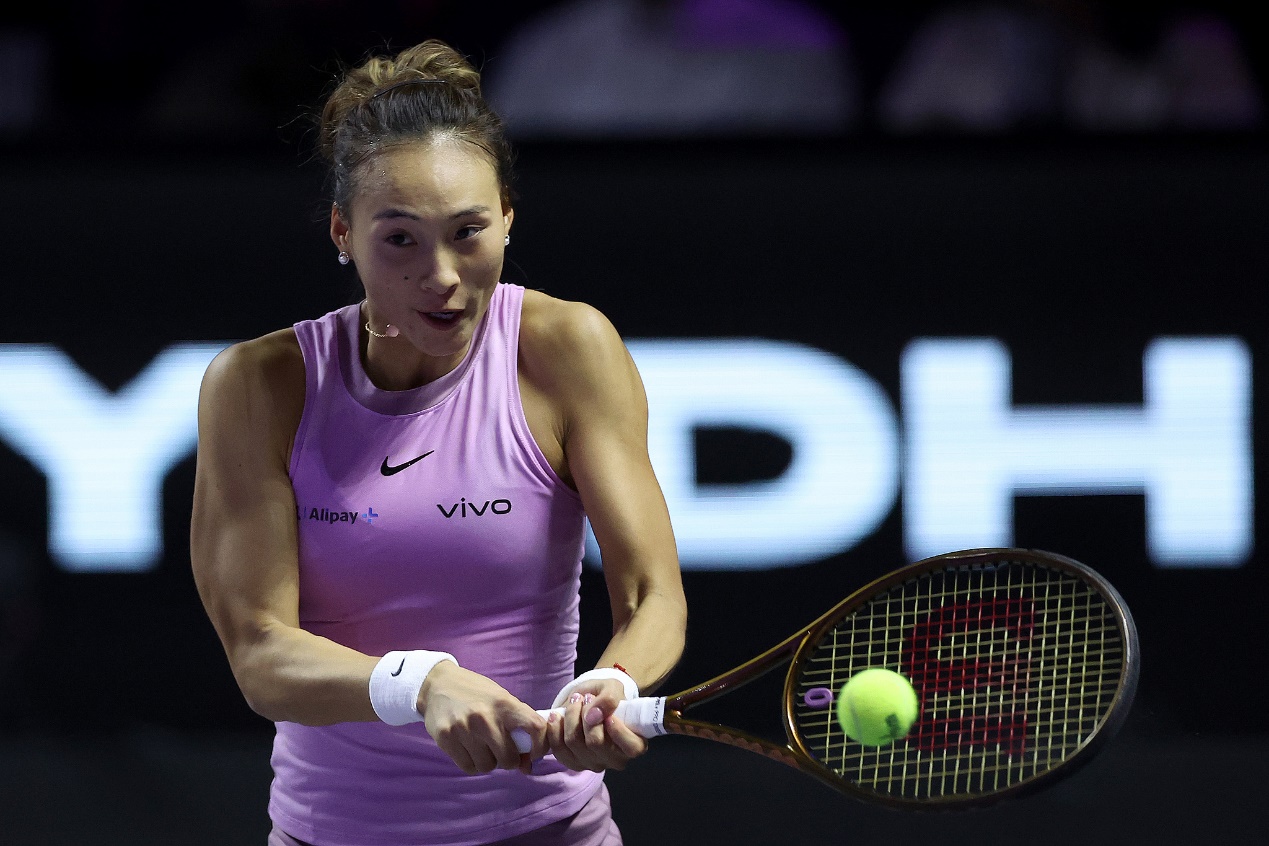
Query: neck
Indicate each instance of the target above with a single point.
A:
(392, 364)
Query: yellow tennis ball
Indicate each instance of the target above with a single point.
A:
(877, 706)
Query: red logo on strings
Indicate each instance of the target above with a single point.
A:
(970, 665)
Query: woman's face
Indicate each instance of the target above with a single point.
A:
(426, 229)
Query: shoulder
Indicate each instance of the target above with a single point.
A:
(272, 361)
(547, 318)
(573, 353)
(561, 337)
(257, 384)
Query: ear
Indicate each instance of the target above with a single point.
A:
(508, 214)
(338, 228)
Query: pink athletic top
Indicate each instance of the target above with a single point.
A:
(428, 519)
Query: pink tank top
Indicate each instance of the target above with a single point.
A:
(428, 519)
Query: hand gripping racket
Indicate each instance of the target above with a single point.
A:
(1024, 662)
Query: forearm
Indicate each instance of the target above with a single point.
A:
(648, 643)
(289, 674)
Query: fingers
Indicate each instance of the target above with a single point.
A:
(476, 752)
(483, 738)
(631, 743)
(482, 727)
(479, 746)
(567, 735)
(531, 742)
(588, 737)
(471, 718)
(451, 744)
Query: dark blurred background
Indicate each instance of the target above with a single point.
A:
(235, 73)
(1078, 181)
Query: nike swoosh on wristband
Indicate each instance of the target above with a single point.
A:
(387, 470)
(399, 669)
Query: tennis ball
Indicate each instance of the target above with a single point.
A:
(877, 706)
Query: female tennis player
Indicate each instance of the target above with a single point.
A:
(390, 500)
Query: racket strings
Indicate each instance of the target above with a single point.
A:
(1016, 666)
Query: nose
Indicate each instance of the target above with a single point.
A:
(441, 273)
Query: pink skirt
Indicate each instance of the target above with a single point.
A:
(591, 826)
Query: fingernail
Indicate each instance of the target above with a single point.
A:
(590, 697)
(574, 699)
(552, 718)
(594, 717)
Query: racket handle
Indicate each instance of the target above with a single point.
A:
(645, 715)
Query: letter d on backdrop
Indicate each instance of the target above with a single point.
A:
(840, 484)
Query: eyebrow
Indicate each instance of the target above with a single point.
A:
(388, 214)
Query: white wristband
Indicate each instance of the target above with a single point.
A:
(632, 689)
(395, 684)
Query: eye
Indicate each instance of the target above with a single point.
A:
(468, 232)
(399, 239)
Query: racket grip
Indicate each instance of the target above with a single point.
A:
(645, 715)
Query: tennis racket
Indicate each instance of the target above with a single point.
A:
(1025, 664)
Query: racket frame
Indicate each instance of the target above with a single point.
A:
(797, 647)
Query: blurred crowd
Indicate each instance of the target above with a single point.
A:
(249, 71)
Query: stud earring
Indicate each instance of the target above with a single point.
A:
(506, 240)
(344, 258)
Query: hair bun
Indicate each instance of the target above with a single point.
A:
(363, 114)
(431, 61)
(437, 60)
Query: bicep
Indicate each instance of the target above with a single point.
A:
(607, 453)
(243, 531)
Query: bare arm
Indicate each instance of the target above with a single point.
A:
(607, 448)
(581, 362)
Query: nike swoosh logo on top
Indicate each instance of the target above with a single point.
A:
(399, 669)
(389, 471)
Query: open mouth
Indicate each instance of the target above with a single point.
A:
(443, 319)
